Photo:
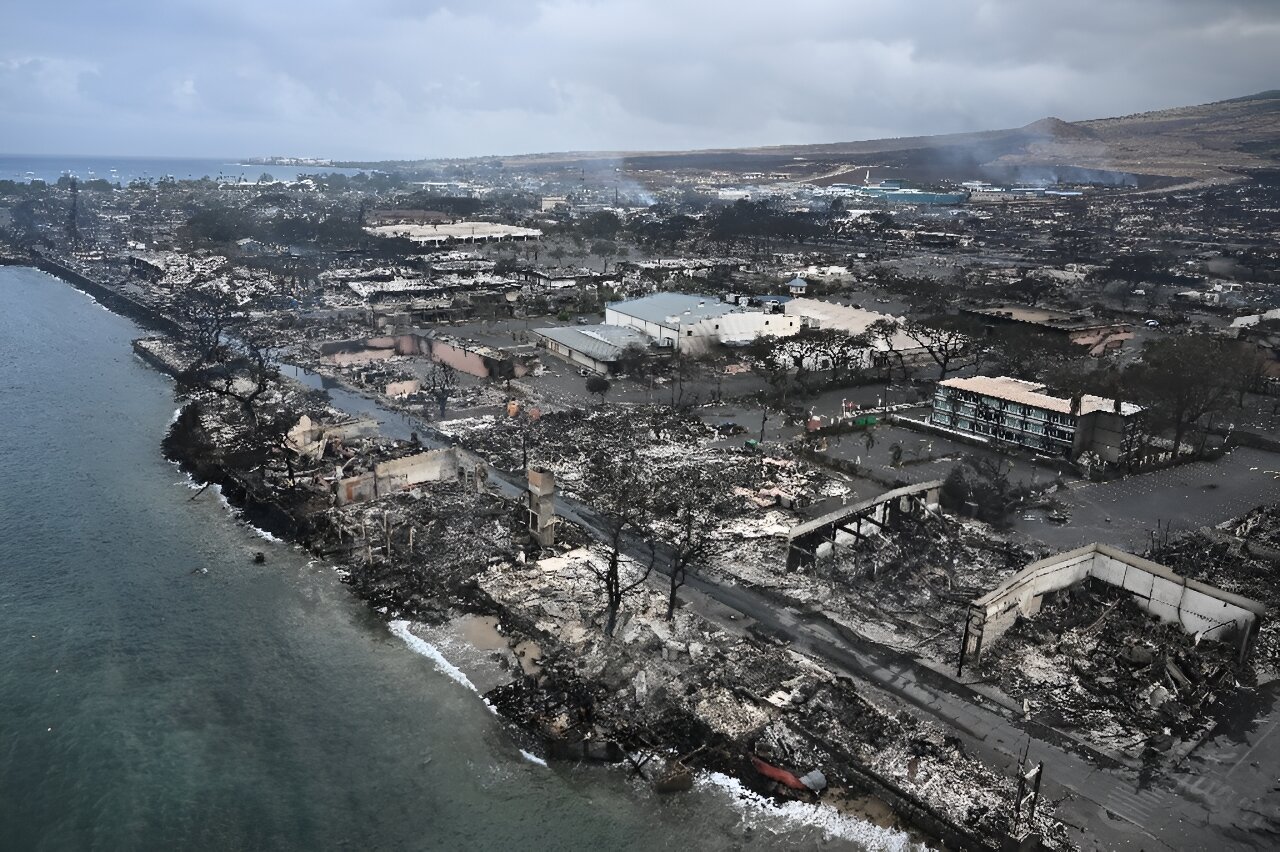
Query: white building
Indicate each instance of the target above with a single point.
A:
(691, 324)
(817, 313)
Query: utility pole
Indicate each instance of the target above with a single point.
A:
(1023, 832)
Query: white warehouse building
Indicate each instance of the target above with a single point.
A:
(691, 324)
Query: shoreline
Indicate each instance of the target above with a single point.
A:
(266, 516)
(862, 819)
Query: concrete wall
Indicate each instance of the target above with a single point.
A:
(1102, 432)
(309, 437)
(402, 474)
(1198, 607)
(696, 338)
(663, 334)
(345, 352)
(430, 466)
(740, 328)
(359, 356)
(409, 344)
(357, 489)
(471, 363)
(1022, 595)
(1171, 597)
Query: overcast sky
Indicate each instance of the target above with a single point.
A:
(427, 78)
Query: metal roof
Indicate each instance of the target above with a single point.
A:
(598, 342)
(852, 320)
(674, 309)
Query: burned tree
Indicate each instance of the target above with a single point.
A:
(885, 332)
(621, 491)
(635, 361)
(688, 506)
(239, 368)
(944, 337)
(842, 353)
(209, 315)
(771, 361)
(980, 485)
(440, 381)
(231, 360)
(1032, 355)
(683, 371)
(1184, 381)
(599, 386)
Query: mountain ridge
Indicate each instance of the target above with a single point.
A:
(1215, 142)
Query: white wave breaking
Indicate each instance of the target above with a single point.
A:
(400, 627)
(261, 533)
(188, 481)
(805, 815)
(532, 758)
(239, 516)
(822, 817)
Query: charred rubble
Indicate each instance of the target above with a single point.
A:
(665, 696)
(1241, 556)
(744, 705)
(1092, 663)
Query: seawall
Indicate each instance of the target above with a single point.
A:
(109, 297)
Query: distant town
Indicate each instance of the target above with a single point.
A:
(864, 483)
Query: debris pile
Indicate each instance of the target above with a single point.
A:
(1259, 526)
(1239, 556)
(745, 704)
(1094, 664)
(655, 686)
(415, 553)
(562, 440)
(908, 587)
(911, 587)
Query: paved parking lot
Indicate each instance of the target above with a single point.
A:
(1124, 512)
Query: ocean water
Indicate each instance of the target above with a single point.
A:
(49, 167)
(158, 690)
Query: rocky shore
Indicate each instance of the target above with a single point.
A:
(667, 699)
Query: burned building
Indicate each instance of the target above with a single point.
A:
(1099, 335)
(1203, 610)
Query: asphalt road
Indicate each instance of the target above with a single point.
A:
(1109, 807)
(1213, 804)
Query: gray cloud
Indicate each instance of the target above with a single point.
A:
(398, 78)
